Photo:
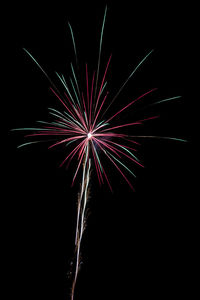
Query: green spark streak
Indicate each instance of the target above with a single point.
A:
(60, 114)
(138, 66)
(165, 100)
(75, 91)
(41, 70)
(128, 152)
(63, 117)
(66, 87)
(67, 144)
(28, 128)
(58, 123)
(44, 122)
(26, 144)
(100, 46)
(74, 44)
(53, 114)
(75, 122)
(129, 77)
(159, 137)
(74, 75)
(98, 158)
(103, 87)
(103, 124)
(61, 124)
(71, 120)
(120, 163)
(37, 63)
(63, 79)
(85, 117)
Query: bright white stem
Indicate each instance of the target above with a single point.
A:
(85, 201)
(79, 201)
(81, 216)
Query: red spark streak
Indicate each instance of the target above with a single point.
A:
(115, 150)
(82, 152)
(91, 101)
(130, 124)
(87, 87)
(62, 101)
(73, 151)
(99, 111)
(66, 140)
(98, 170)
(102, 82)
(125, 107)
(115, 165)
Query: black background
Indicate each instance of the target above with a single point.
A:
(137, 244)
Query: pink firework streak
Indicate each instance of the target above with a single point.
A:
(81, 124)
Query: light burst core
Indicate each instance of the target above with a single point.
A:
(89, 135)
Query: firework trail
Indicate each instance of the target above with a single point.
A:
(81, 219)
(81, 126)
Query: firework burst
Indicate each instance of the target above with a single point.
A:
(81, 125)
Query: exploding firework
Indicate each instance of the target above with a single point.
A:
(83, 126)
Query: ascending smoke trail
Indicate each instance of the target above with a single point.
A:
(82, 203)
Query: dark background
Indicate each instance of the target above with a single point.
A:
(137, 244)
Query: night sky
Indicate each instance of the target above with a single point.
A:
(136, 244)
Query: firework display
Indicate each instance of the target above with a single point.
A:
(83, 127)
